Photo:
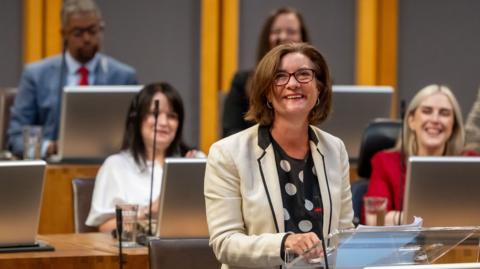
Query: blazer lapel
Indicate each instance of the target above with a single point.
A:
(268, 171)
(319, 161)
(54, 92)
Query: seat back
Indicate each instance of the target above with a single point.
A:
(82, 199)
(7, 97)
(380, 134)
(181, 253)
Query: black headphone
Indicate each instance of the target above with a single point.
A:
(133, 111)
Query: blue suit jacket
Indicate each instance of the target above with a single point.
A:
(37, 100)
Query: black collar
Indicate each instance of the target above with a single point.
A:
(264, 136)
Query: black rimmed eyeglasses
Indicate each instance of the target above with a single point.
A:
(93, 30)
(303, 75)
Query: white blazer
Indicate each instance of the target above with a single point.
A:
(244, 203)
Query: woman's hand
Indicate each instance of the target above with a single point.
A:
(393, 217)
(305, 244)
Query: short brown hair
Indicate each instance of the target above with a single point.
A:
(264, 41)
(262, 83)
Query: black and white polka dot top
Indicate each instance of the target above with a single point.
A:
(302, 203)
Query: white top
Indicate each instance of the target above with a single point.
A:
(120, 180)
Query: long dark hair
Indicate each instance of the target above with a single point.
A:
(264, 41)
(139, 109)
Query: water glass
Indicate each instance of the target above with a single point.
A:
(129, 222)
(32, 142)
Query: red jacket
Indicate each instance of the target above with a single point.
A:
(388, 177)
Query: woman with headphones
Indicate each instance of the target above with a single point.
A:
(125, 177)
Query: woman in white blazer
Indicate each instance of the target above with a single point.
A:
(283, 183)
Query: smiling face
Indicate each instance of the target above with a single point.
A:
(295, 99)
(432, 122)
(167, 124)
(285, 28)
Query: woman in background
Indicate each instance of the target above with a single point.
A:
(282, 26)
(432, 126)
(124, 178)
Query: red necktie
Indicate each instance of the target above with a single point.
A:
(83, 71)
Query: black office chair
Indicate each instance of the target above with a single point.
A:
(380, 134)
(82, 199)
(191, 253)
(7, 97)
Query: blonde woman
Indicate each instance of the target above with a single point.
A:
(433, 126)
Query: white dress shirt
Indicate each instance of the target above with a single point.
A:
(73, 77)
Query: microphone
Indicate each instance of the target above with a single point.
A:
(155, 113)
(118, 213)
(318, 216)
(144, 238)
(156, 109)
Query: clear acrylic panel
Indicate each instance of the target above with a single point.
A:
(384, 247)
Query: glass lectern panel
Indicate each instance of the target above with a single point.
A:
(353, 249)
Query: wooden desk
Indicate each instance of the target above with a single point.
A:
(461, 254)
(57, 205)
(353, 173)
(97, 250)
(56, 215)
(94, 250)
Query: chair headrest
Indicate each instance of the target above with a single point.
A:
(380, 134)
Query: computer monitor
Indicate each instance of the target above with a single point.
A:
(21, 186)
(182, 202)
(92, 121)
(353, 108)
(444, 191)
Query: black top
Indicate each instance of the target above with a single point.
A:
(236, 105)
(302, 203)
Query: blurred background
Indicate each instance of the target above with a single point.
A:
(197, 45)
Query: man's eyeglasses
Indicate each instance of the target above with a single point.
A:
(301, 75)
(92, 30)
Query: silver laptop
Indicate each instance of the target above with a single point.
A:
(444, 191)
(92, 121)
(353, 108)
(21, 186)
(182, 202)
